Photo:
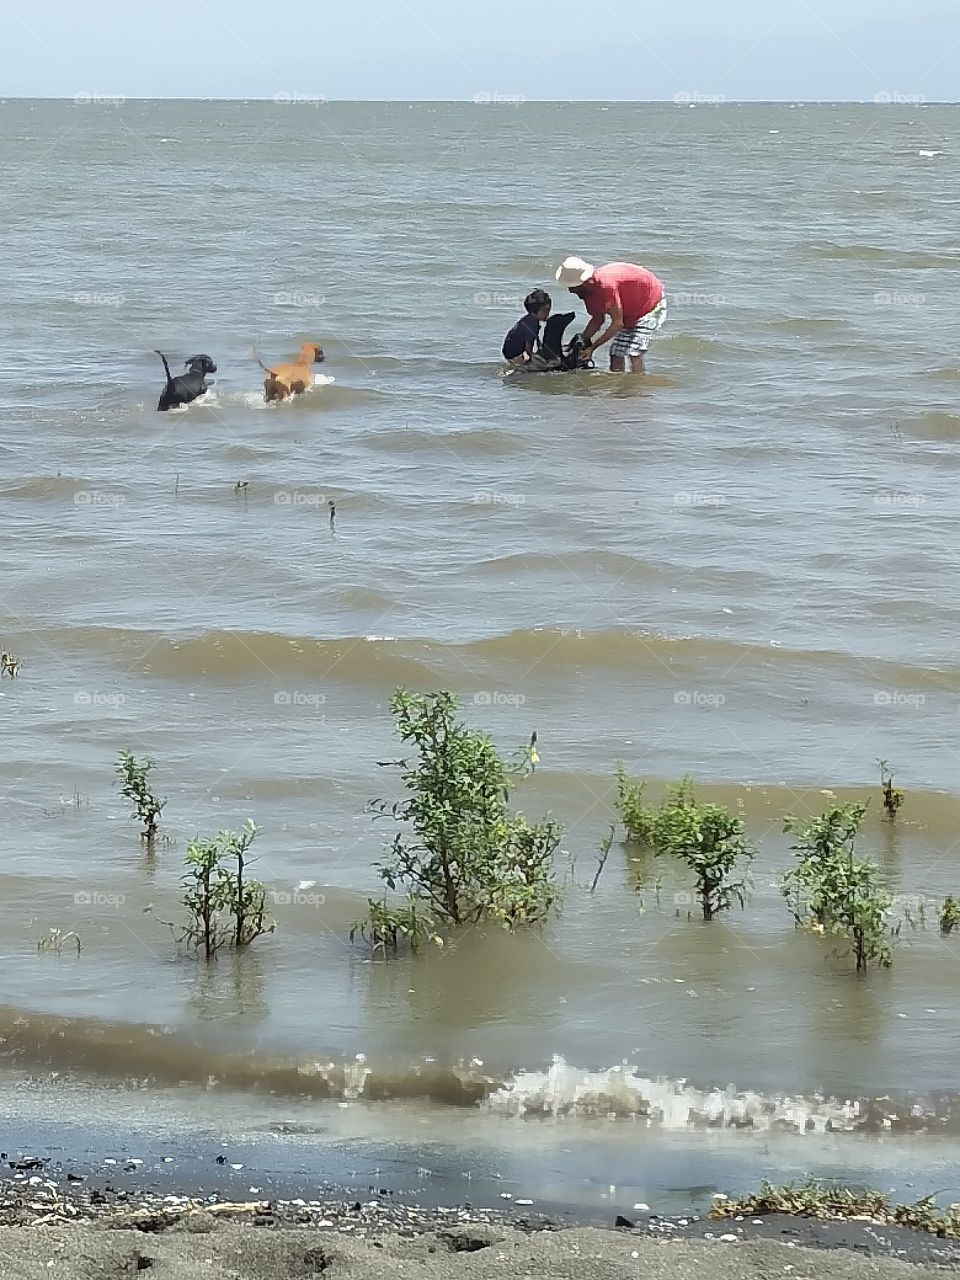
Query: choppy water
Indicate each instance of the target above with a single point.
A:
(742, 566)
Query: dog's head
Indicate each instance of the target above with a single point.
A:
(312, 353)
(575, 350)
(200, 364)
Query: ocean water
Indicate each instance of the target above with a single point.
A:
(742, 566)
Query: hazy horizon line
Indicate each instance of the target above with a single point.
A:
(289, 98)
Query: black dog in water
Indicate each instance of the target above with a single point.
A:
(189, 385)
(551, 346)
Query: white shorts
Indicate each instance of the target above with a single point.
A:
(635, 341)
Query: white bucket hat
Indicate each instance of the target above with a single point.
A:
(574, 271)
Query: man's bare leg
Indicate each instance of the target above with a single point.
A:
(616, 364)
(636, 364)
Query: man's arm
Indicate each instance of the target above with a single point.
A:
(594, 324)
(616, 324)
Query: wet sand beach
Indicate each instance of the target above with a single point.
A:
(75, 1226)
(203, 1244)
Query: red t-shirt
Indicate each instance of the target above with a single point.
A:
(634, 289)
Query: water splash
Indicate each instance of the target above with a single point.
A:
(621, 1092)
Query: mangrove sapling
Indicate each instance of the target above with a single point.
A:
(644, 823)
(224, 907)
(9, 665)
(708, 837)
(56, 940)
(74, 805)
(245, 899)
(712, 842)
(892, 796)
(831, 891)
(133, 777)
(635, 814)
(462, 857)
(523, 763)
(949, 915)
(386, 927)
(205, 898)
(606, 844)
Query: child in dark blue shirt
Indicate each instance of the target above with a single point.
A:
(524, 338)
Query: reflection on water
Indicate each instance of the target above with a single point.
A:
(230, 987)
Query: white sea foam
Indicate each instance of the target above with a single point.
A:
(208, 398)
(255, 400)
(666, 1104)
(928, 154)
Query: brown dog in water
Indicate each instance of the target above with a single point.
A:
(284, 380)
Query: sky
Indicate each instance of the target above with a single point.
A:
(788, 50)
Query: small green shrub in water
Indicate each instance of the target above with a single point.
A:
(949, 915)
(9, 665)
(56, 940)
(133, 776)
(462, 857)
(711, 841)
(635, 814)
(831, 891)
(892, 796)
(644, 823)
(708, 837)
(224, 906)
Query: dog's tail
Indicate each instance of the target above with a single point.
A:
(165, 365)
(254, 356)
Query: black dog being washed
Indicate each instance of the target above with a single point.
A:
(555, 359)
(189, 385)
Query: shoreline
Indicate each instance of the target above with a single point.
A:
(55, 1220)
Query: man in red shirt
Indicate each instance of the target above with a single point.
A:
(631, 297)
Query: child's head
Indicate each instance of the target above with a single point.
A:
(538, 304)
